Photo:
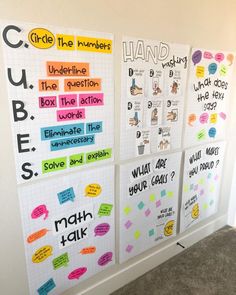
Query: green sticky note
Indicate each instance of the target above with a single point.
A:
(105, 210)
(60, 261)
(211, 202)
(152, 198)
(52, 165)
(98, 155)
(170, 194)
(137, 234)
(201, 135)
(205, 206)
(76, 160)
(141, 205)
(127, 210)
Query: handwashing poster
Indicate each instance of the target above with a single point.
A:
(68, 228)
(201, 183)
(153, 92)
(149, 192)
(60, 92)
(207, 96)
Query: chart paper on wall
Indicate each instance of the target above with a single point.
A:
(68, 228)
(208, 96)
(60, 91)
(201, 183)
(148, 203)
(152, 96)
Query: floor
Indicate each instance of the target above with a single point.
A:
(206, 268)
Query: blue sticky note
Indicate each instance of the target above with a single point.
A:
(94, 127)
(66, 195)
(46, 287)
(163, 193)
(151, 232)
(141, 205)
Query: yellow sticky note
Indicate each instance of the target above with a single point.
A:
(65, 42)
(170, 194)
(213, 118)
(127, 210)
(137, 234)
(93, 44)
(212, 188)
(201, 181)
(200, 71)
(152, 198)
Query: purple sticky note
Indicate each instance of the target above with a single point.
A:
(147, 212)
(128, 224)
(129, 248)
(201, 192)
(196, 187)
(158, 203)
(216, 177)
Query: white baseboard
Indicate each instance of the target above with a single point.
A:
(120, 275)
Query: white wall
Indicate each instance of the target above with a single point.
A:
(210, 24)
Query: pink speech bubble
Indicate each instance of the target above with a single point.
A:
(222, 115)
(204, 118)
(207, 55)
(77, 273)
(219, 57)
(105, 258)
(101, 229)
(39, 211)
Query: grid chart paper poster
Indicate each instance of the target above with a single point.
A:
(60, 91)
(208, 96)
(153, 91)
(201, 183)
(148, 203)
(68, 228)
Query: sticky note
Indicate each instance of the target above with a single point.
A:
(152, 198)
(93, 190)
(46, 287)
(163, 193)
(185, 188)
(151, 232)
(105, 210)
(147, 212)
(105, 258)
(141, 205)
(128, 224)
(66, 195)
(42, 254)
(101, 229)
(129, 248)
(137, 234)
(60, 261)
(127, 210)
(77, 273)
(158, 203)
(170, 194)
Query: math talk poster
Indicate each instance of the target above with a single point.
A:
(60, 92)
(68, 228)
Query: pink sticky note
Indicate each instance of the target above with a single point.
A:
(128, 224)
(147, 212)
(129, 248)
(71, 114)
(91, 99)
(67, 100)
(158, 203)
(222, 115)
